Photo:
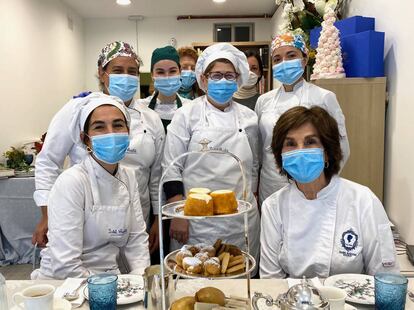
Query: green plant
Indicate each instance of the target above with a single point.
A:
(16, 159)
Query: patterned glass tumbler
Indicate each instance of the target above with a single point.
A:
(102, 291)
(390, 291)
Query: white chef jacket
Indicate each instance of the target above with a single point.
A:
(144, 153)
(165, 111)
(234, 129)
(344, 230)
(93, 215)
(271, 106)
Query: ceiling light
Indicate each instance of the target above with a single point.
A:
(123, 2)
(218, 29)
(219, 1)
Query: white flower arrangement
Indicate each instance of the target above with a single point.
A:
(306, 14)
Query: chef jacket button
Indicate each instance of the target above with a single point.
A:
(240, 130)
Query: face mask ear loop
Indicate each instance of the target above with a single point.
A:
(106, 86)
(326, 164)
(88, 149)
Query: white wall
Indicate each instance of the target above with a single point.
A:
(276, 20)
(397, 23)
(41, 66)
(152, 33)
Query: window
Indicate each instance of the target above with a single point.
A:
(242, 32)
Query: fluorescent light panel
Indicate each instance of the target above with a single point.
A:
(123, 2)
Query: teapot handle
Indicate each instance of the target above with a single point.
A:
(269, 300)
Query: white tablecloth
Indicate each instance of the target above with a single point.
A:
(235, 287)
(18, 218)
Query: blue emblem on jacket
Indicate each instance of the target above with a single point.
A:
(349, 242)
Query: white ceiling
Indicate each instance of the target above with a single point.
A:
(154, 8)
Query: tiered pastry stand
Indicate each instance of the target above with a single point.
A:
(175, 210)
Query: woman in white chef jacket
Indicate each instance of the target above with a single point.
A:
(166, 74)
(289, 58)
(94, 207)
(118, 71)
(220, 69)
(320, 224)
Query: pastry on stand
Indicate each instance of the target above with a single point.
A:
(210, 261)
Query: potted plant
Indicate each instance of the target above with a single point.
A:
(17, 159)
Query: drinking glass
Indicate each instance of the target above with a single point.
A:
(102, 291)
(390, 291)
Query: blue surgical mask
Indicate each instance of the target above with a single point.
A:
(304, 165)
(110, 148)
(221, 91)
(288, 71)
(188, 79)
(168, 86)
(123, 86)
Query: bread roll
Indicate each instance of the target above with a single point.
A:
(210, 295)
(185, 303)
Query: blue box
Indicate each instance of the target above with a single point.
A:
(363, 54)
(346, 27)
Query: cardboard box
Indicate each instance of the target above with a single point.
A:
(363, 54)
(346, 27)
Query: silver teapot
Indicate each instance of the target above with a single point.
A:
(302, 296)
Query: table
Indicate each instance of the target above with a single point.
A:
(406, 267)
(236, 287)
(18, 218)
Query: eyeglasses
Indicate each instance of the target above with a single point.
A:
(217, 76)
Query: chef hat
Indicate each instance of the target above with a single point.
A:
(226, 51)
(85, 106)
(116, 49)
(164, 53)
(289, 39)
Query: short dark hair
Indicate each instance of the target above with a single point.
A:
(252, 53)
(324, 123)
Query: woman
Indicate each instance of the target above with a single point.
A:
(289, 57)
(118, 72)
(165, 72)
(220, 69)
(188, 59)
(94, 207)
(248, 94)
(320, 224)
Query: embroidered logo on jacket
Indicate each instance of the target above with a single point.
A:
(349, 242)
